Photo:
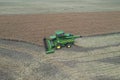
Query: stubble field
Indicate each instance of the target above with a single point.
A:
(25, 61)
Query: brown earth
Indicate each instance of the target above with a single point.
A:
(33, 28)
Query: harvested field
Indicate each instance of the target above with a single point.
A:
(32, 28)
(25, 61)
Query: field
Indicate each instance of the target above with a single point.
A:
(24, 24)
(57, 6)
(25, 61)
(33, 28)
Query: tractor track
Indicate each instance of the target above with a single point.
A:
(73, 64)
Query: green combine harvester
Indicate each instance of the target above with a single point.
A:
(59, 40)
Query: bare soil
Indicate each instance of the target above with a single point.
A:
(33, 28)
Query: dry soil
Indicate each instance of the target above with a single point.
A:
(32, 28)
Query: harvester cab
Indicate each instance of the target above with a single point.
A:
(59, 40)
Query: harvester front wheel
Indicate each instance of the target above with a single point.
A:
(69, 45)
(58, 46)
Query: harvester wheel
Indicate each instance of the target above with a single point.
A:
(69, 45)
(58, 46)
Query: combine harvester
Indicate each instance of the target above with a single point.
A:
(59, 40)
